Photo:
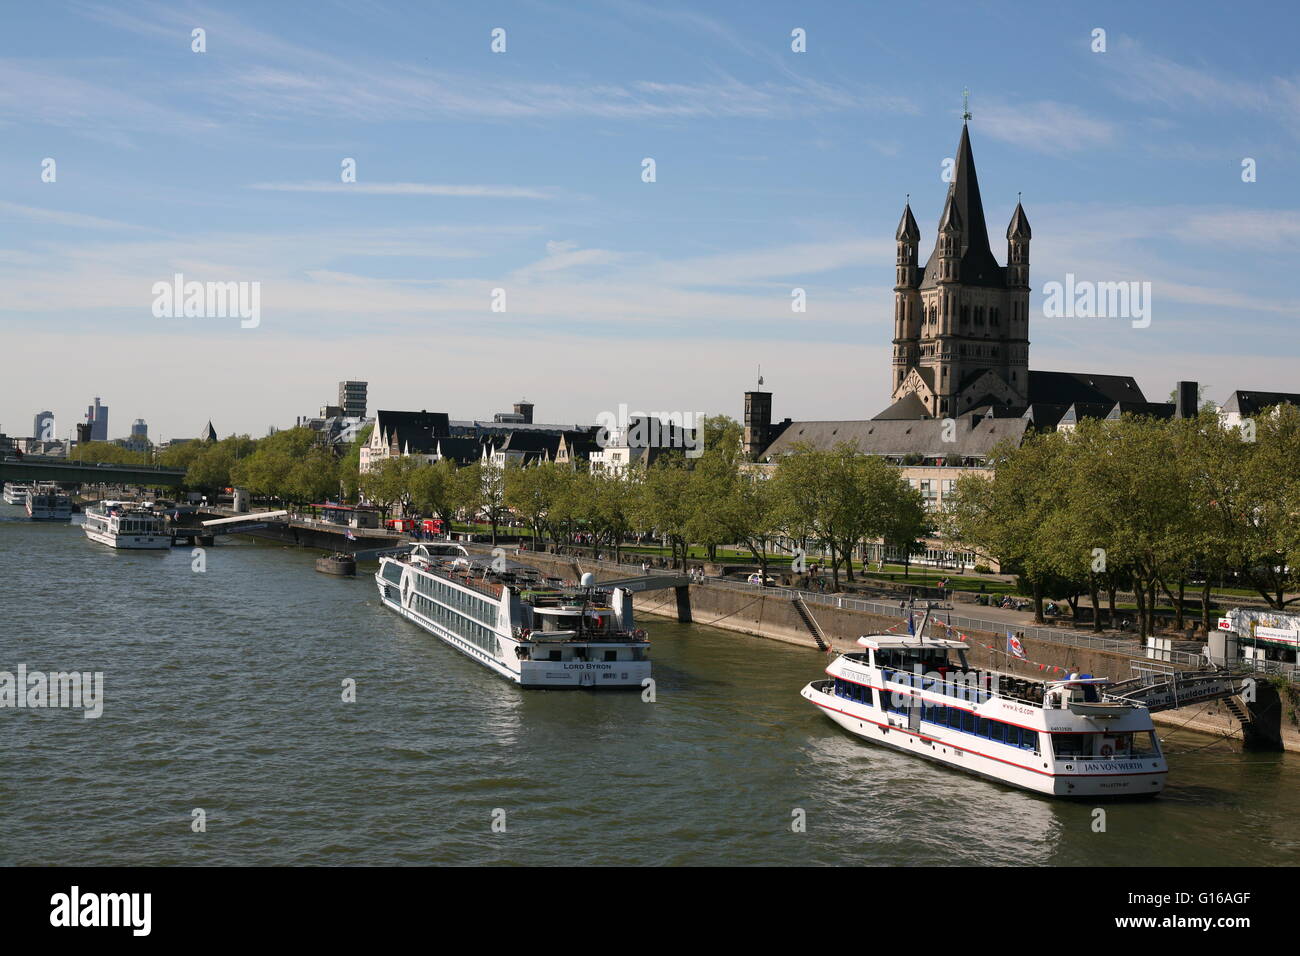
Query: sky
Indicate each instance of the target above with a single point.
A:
(524, 171)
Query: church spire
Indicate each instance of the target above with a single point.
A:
(907, 229)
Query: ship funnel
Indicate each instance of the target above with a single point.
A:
(588, 580)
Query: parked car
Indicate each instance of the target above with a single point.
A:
(757, 578)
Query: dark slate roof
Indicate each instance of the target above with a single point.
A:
(974, 437)
(530, 443)
(460, 449)
(907, 227)
(908, 407)
(978, 266)
(1045, 415)
(1019, 226)
(1248, 403)
(1081, 410)
(416, 431)
(1067, 388)
(1148, 409)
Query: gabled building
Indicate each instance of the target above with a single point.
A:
(400, 434)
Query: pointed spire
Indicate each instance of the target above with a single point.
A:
(1019, 228)
(951, 220)
(907, 228)
(965, 193)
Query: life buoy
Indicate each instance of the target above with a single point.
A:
(1107, 750)
(639, 634)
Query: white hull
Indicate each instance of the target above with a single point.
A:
(504, 660)
(994, 761)
(49, 514)
(132, 542)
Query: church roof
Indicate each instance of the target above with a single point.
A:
(978, 266)
(907, 227)
(967, 437)
(907, 407)
(1068, 388)
(1019, 227)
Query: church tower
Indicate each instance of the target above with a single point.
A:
(961, 324)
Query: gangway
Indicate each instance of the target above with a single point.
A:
(1165, 688)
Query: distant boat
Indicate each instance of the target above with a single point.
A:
(16, 493)
(119, 525)
(48, 504)
(338, 563)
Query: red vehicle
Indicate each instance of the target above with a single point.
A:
(400, 524)
(432, 526)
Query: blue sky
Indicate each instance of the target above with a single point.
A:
(522, 170)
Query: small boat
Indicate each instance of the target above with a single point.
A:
(337, 563)
(48, 503)
(120, 525)
(16, 493)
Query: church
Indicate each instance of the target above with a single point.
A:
(960, 379)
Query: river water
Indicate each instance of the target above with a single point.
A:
(223, 693)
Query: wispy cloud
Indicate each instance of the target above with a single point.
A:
(411, 189)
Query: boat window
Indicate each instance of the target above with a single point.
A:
(997, 730)
(1012, 735)
(1029, 739)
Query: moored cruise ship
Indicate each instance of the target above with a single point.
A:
(515, 624)
(48, 504)
(1064, 738)
(16, 493)
(118, 525)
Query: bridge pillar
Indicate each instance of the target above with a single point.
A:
(683, 603)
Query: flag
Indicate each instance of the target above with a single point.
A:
(350, 536)
(911, 624)
(1014, 646)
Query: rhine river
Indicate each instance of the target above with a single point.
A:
(223, 692)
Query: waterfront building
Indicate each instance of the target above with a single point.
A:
(352, 399)
(1242, 405)
(434, 435)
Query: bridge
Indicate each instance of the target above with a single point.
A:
(65, 472)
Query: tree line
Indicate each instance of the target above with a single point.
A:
(1144, 505)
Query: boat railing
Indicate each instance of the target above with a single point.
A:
(1002, 685)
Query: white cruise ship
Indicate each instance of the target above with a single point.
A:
(118, 525)
(1064, 738)
(48, 504)
(16, 493)
(514, 624)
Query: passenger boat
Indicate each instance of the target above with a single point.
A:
(338, 563)
(1064, 738)
(514, 623)
(120, 525)
(48, 503)
(16, 493)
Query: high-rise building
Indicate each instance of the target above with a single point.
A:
(139, 429)
(43, 426)
(97, 416)
(352, 398)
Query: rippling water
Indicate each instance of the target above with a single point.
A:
(223, 692)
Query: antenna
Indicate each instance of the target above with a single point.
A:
(965, 105)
